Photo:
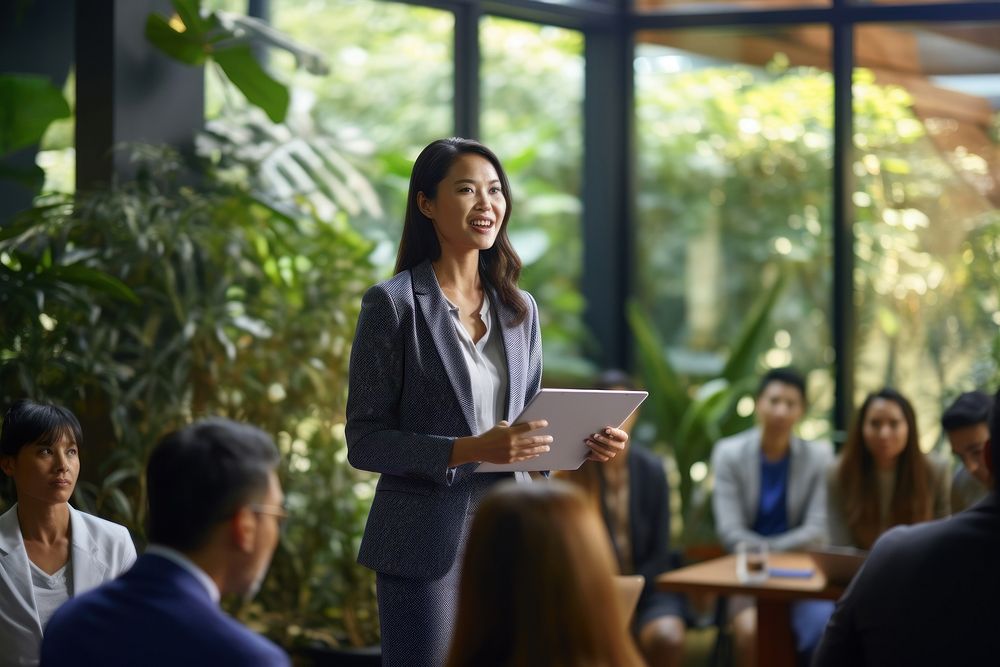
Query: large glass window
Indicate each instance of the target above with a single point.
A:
(532, 96)
(926, 220)
(726, 5)
(734, 155)
(733, 248)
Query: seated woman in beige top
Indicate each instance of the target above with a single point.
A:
(881, 478)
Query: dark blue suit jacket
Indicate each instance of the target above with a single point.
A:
(410, 397)
(155, 614)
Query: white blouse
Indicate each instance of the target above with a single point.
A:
(51, 590)
(487, 364)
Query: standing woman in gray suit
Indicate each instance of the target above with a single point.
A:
(446, 354)
(49, 552)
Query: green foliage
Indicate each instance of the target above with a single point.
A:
(734, 164)
(388, 93)
(538, 135)
(292, 165)
(174, 297)
(690, 422)
(28, 105)
(193, 38)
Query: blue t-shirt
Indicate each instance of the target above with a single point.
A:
(772, 513)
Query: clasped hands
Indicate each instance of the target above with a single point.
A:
(511, 444)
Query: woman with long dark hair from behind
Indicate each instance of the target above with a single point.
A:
(49, 551)
(882, 478)
(446, 354)
(537, 585)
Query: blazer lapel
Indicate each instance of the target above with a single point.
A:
(435, 311)
(89, 569)
(14, 569)
(512, 340)
(796, 482)
(751, 458)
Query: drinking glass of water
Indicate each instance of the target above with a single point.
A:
(751, 561)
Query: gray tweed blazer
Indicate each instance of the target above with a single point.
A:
(409, 398)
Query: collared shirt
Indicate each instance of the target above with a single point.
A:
(182, 561)
(487, 367)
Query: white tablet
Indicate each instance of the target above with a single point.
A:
(573, 416)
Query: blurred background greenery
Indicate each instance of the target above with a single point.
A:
(228, 281)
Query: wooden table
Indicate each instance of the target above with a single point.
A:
(775, 644)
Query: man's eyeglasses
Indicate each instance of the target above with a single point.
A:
(277, 511)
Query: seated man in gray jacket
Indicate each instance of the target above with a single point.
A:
(770, 486)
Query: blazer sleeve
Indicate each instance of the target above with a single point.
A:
(841, 642)
(730, 524)
(533, 383)
(126, 552)
(374, 439)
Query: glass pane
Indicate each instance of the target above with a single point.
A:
(734, 133)
(57, 149)
(927, 228)
(387, 95)
(532, 96)
(725, 5)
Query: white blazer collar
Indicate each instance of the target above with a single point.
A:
(10, 533)
(14, 568)
(89, 568)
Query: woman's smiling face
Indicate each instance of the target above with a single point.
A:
(469, 207)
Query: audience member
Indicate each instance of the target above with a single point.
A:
(882, 479)
(927, 594)
(769, 486)
(632, 496)
(537, 585)
(966, 423)
(49, 551)
(215, 505)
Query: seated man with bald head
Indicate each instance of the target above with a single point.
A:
(215, 504)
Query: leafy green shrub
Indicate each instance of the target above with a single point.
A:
(173, 297)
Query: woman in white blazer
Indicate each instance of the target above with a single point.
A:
(49, 551)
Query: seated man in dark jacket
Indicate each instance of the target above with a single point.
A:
(214, 508)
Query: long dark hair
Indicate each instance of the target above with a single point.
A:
(499, 266)
(911, 498)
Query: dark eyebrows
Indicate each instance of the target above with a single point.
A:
(469, 180)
